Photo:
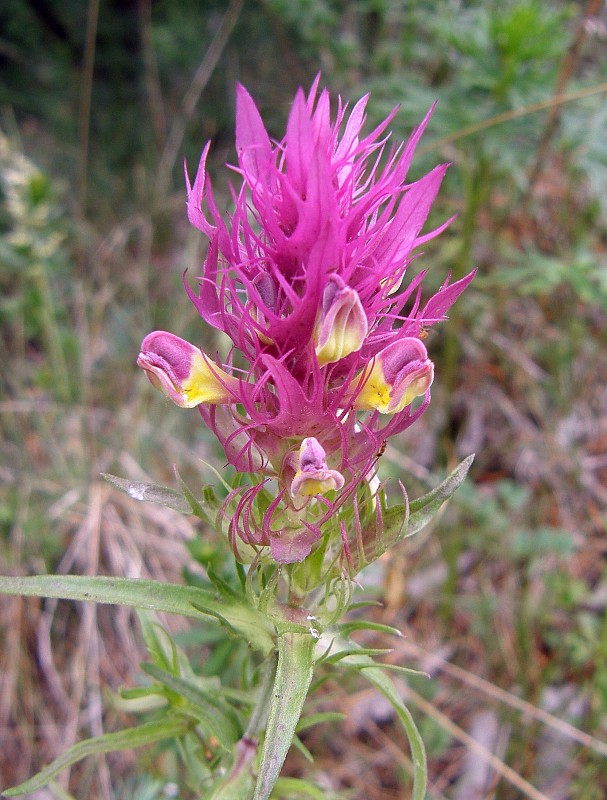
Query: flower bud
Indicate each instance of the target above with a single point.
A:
(183, 372)
(314, 476)
(342, 324)
(398, 374)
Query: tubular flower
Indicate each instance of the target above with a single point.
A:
(314, 476)
(183, 372)
(342, 324)
(307, 277)
(399, 373)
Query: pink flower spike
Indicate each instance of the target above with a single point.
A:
(183, 373)
(314, 476)
(308, 276)
(399, 373)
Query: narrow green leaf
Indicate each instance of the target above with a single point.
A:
(317, 719)
(302, 749)
(153, 700)
(291, 684)
(358, 651)
(424, 508)
(222, 619)
(159, 644)
(148, 733)
(209, 506)
(216, 717)
(346, 628)
(290, 788)
(189, 601)
(223, 587)
(396, 668)
(151, 493)
(59, 792)
(384, 685)
(139, 692)
(365, 604)
(374, 674)
(403, 520)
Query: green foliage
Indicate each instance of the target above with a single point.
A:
(32, 252)
(497, 522)
(213, 722)
(533, 273)
(145, 734)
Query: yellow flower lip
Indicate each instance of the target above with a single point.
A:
(183, 373)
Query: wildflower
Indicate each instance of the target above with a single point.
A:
(183, 372)
(342, 324)
(307, 279)
(314, 476)
(398, 374)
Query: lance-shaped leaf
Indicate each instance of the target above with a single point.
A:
(424, 508)
(148, 733)
(189, 601)
(151, 493)
(373, 672)
(291, 684)
(215, 715)
(184, 502)
(397, 522)
(384, 685)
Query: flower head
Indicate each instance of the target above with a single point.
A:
(307, 279)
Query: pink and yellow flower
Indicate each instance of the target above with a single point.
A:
(183, 373)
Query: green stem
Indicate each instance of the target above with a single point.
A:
(260, 712)
(238, 783)
(48, 322)
(293, 678)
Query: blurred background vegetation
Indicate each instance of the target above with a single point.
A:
(504, 600)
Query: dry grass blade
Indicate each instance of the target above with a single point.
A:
(508, 116)
(470, 679)
(191, 97)
(506, 772)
